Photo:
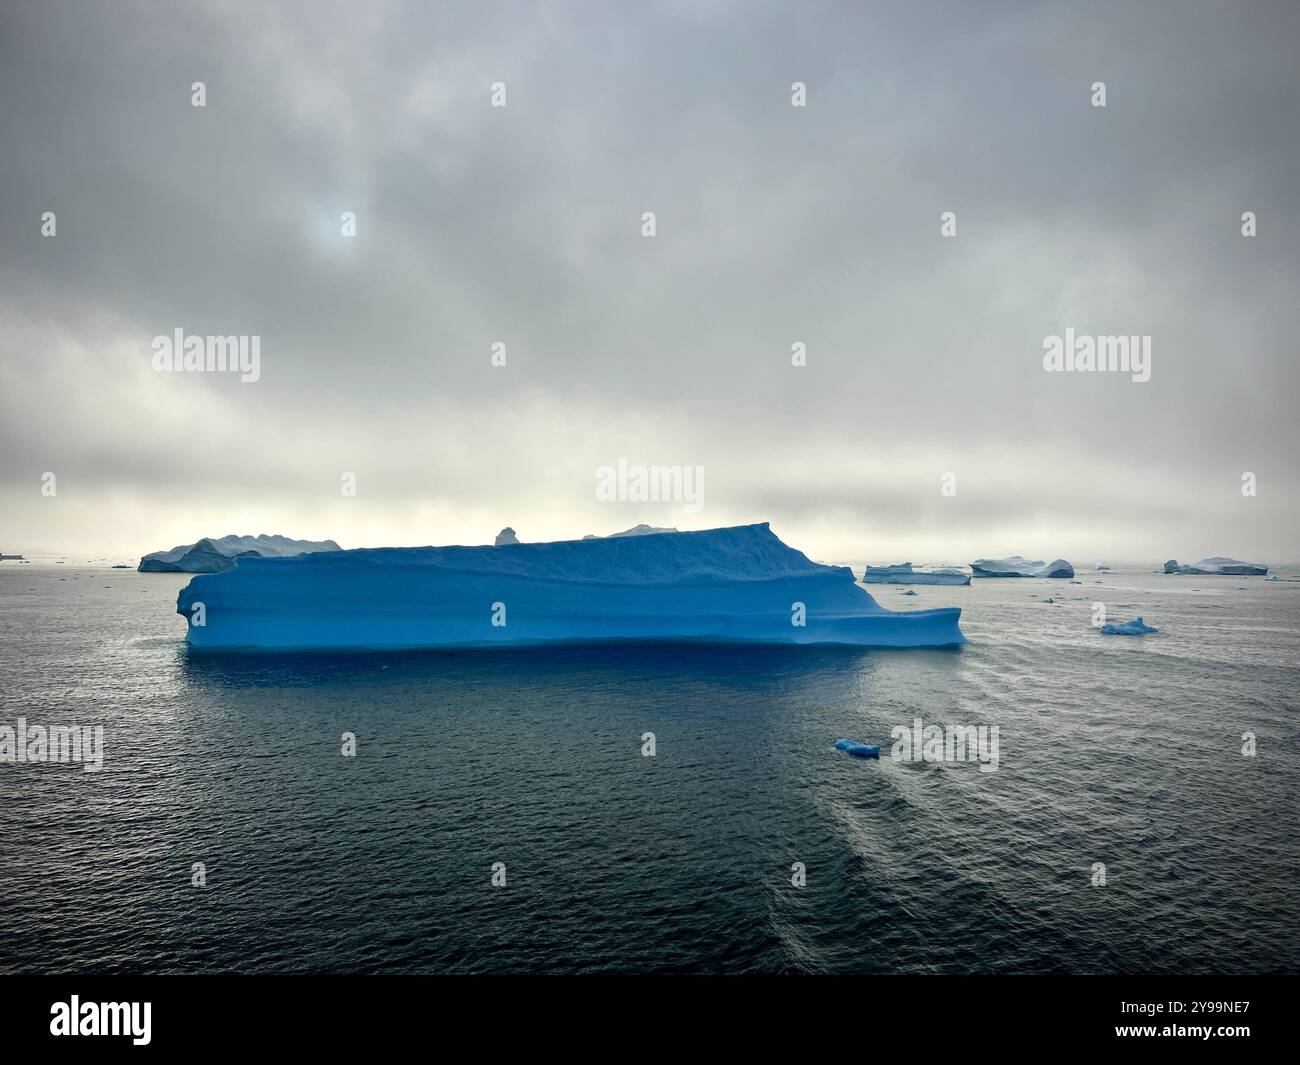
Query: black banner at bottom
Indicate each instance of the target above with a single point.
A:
(341, 1013)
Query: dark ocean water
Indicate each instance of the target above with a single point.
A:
(1115, 750)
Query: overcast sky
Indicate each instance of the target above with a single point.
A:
(775, 225)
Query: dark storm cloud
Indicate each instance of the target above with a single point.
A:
(775, 225)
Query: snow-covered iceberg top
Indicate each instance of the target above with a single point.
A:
(636, 530)
(1018, 566)
(1220, 566)
(212, 555)
(739, 583)
(903, 573)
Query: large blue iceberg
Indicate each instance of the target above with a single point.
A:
(736, 584)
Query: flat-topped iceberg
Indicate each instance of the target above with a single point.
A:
(903, 573)
(211, 555)
(736, 584)
(1218, 565)
(1018, 566)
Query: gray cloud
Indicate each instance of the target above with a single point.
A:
(776, 225)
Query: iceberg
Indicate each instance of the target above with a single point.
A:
(902, 573)
(1016, 566)
(214, 555)
(732, 584)
(858, 750)
(1218, 565)
(1136, 627)
(506, 536)
(636, 530)
(643, 530)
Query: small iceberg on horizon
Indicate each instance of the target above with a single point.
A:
(1136, 627)
(858, 750)
(1218, 566)
(739, 584)
(637, 530)
(903, 573)
(1018, 566)
(211, 555)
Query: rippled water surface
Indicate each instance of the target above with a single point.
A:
(1122, 751)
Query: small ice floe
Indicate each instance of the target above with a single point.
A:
(858, 750)
(1136, 627)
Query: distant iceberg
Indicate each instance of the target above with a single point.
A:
(636, 530)
(1016, 566)
(902, 573)
(214, 555)
(1102, 567)
(735, 584)
(1219, 566)
(1136, 627)
(506, 536)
